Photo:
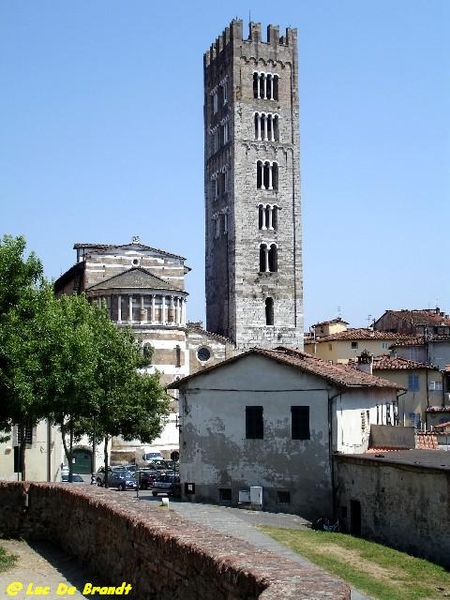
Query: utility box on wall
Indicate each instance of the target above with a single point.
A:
(256, 496)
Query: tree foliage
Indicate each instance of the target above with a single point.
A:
(23, 293)
(64, 360)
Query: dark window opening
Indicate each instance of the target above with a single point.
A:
(178, 356)
(273, 259)
(300, 423)
(225, 494)
(269, 311)
(284, 497)
(255, 85)
(262, 258)
(259, 171)
(254, 426)
(275, 176)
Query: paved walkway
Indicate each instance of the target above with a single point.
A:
(242, 523)
(42, 565)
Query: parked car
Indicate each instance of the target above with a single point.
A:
(166, 484)
(147, 478)
(152, 456)
(76, 478)
(117, 478)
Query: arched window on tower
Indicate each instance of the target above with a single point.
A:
(267, 183)
(273, 258)
(268, 258)
(259, 174)
(255, 85)
(266, 175)
(269, 311)
(268, 216)
(275, 87)
(275, 176)
(263, 258)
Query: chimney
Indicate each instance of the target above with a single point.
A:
(365, 362)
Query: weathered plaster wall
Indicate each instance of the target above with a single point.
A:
(216, 455)
(160, 554)
(404, 506)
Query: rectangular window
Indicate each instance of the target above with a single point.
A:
(254, 426)
(224, 494)
(354, 344)
(283, 497)
(413, 383)
(300, 423)
(225, 92)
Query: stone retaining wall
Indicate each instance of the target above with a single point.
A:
(152, 548)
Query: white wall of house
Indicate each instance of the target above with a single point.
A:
(43, 456)
(353, 413)
(218, 460)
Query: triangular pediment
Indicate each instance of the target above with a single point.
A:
(134, 279)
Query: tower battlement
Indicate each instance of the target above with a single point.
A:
(234, 34)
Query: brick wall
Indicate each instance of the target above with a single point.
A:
(152, 548)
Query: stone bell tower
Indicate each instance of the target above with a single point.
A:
(254, 279)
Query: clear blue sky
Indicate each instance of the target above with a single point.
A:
(101, 137)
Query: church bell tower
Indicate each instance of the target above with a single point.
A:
(254, 278)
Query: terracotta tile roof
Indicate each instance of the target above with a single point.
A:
(335, 373)
(362, 333)
(438, 409)
(397, 363)
(338, 375)
(442, 425)
(421, 317)
(330, 322)
(426, 440)
(419, 340)
(197, 327)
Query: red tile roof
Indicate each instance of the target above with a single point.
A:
(339, 375)
(361, 334)
(397, 363)
(421, 317)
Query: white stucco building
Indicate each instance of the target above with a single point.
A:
(272, 419)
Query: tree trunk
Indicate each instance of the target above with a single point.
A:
(106, 460)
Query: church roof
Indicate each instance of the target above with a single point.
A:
(136, 245)
(134, 279)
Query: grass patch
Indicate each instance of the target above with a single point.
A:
(7, 560)
(380, 572)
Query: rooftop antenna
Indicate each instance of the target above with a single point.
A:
(339, 312)
(369, 321)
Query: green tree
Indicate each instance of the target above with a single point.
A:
(129, 403)
(68, 360)
(64, 360)
(23, 296)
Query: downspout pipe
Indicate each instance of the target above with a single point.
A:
(330, 449)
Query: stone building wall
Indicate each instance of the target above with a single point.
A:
(158, 553)
(405, 506)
